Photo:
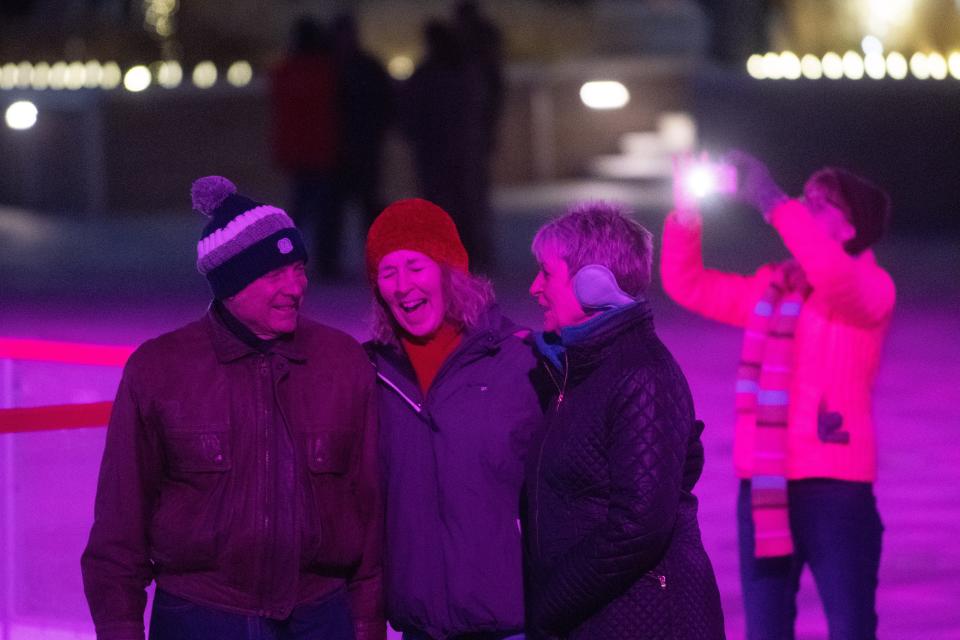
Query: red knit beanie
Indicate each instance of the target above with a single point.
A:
(415, 225)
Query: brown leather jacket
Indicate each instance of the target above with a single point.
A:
(241, 480)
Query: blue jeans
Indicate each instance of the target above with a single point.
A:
(836, 531)
(174, 618)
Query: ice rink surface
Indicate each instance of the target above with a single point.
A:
(121, 281)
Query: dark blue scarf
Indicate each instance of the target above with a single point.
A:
(553, 345)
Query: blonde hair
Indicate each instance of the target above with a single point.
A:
(599, 232)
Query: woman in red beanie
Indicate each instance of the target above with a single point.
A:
(456, 406)
(804, 441)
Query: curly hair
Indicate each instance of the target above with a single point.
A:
(466, 297)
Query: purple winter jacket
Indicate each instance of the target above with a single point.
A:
(240, 480)
(453, 470)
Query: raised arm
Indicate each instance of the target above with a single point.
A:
(855, 288)
(721, 296)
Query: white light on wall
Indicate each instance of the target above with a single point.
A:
(111, 76)
(790, 65)
(919, 67)
(678, 131)
(772, 68)
(871, 45)
(885, 15)
(810, 67)
(897, 66)
(875, 66)
(93, 74)
(21, 115)
(604, 94)
(240, 73)
(137, 78)
(40, 76)
(937, 66)
(76, 75)
(169, 74)
(8, 76)
(400, 67)
(24, 75)
(852, 65)
(205, 74)
(832, 65)
(953, 62)
(58, 75)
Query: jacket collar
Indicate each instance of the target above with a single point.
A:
(229, 347)
(491, 330)
(586, 341)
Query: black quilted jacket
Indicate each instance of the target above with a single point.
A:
(613, 547)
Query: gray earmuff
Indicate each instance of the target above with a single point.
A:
(596, 287)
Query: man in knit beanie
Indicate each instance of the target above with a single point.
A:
(240, 471)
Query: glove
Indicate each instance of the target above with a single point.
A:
(755, 185)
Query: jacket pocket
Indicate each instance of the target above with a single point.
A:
(328, 452)
(333, 530)
(205, 449)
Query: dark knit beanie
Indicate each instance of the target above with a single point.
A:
(243, 240)
(866, 205)
(415, 225)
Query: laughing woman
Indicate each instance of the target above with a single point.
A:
(456, 408)
(613, 540)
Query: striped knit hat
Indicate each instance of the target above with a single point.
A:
(243, 240)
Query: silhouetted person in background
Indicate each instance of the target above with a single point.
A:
(306, 136)
(483, 50)
(366, 108)
(738, 28)
(444, 117)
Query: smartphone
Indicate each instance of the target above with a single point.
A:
(705, 179)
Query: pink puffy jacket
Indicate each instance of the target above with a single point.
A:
(839, 337)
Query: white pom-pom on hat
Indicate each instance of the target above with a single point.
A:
(209, 192)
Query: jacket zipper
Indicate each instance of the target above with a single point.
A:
(410, 401)
(566, 372)
(416, 406)
(662, 579)
(543, 443)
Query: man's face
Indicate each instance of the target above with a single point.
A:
(828, 214)
(269, 305)
(411, 285)
(553, 291)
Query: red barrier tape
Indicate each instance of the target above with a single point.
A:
(54, 417)
(64, 352)
(60, 416)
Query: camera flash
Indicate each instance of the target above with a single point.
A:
(701, 181)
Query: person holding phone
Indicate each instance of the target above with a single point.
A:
(804, 444)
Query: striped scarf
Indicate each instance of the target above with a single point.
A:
(763, 396)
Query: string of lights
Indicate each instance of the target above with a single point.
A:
(875, 65)
(109, 75)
